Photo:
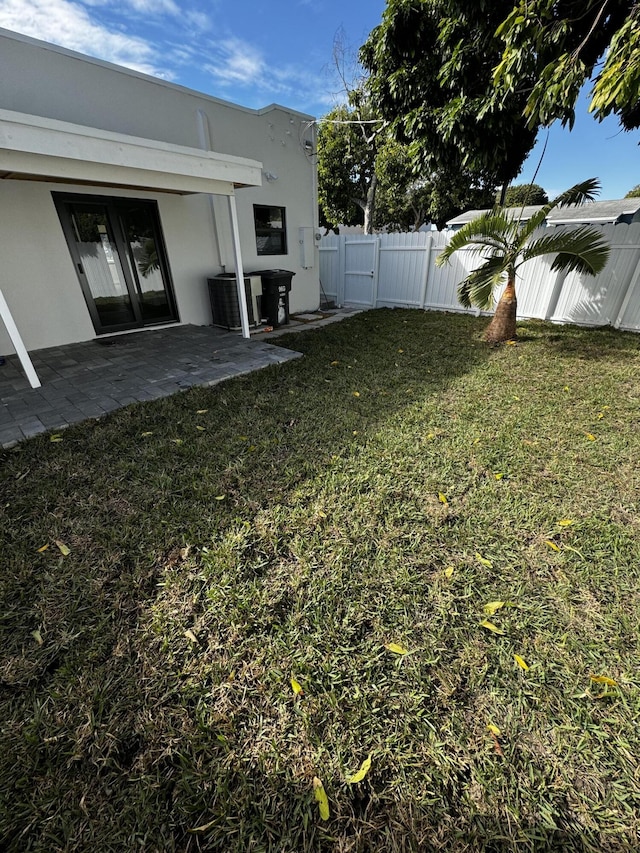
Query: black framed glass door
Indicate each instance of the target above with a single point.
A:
(118, 252)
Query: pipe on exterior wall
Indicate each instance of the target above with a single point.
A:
(309, 149)
(204, 139)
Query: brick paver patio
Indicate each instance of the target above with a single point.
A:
(88, 380)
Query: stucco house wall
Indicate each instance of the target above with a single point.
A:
(37, 274)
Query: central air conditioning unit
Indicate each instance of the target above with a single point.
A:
(223, 294)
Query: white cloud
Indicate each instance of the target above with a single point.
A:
(68, 24)
(155, 7)
(237, 62)
(148, 7)
(198, 21)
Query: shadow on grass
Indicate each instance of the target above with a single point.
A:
(588, 343)
(145, 675)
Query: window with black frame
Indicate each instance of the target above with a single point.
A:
(271, 229)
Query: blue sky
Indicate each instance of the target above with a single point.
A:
(255, 52)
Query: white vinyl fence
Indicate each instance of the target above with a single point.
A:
(398, 270)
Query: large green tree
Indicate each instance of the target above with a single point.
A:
(347, 154)
(518, 194)
(634, 192)
(366, 177)
(504, 244)
(405, 202)
(351, 147)
(431, 64)
(551, 48)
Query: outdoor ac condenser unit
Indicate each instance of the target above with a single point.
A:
(225, 309)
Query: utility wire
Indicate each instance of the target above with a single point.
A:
(363, 121)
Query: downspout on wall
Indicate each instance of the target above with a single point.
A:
(204, 138)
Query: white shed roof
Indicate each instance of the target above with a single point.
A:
(522, 213)
(43, 149)
(594, 211)
(597, 212)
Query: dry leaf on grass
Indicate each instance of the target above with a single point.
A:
(321, 798)
(491, 627)
(604, 679)
(362, 772)
(396, 649)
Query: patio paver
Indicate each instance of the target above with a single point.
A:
(90, 379)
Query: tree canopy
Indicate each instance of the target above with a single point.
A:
(405, 202)
(431, 64)
(551, 49)
(634, 193)
(366, 177)
(346, 166)
(525, 194)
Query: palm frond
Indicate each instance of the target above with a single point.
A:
(577, 194)
(582, 249)
(490, 230)
(534, 222)
(482, 244)
(477, 288)
(505, 243)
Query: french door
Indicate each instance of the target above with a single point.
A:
(117, 249)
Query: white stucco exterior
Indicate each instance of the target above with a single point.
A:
(71, 124)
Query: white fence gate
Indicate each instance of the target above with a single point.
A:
(360, 261)
(398, 270)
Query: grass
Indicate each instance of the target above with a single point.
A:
(381, 490)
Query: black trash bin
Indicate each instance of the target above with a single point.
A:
(223, 295)
(276, 286)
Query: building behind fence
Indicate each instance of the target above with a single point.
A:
(399, 270)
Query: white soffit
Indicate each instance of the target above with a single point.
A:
(37, 148)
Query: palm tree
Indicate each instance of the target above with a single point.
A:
(506, 244)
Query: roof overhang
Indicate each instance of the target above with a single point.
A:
(586, 220)
(42, 149)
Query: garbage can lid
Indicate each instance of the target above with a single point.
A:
(276, 273)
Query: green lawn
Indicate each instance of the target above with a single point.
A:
(293, 523)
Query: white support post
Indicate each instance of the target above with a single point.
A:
(635, 278)
(375, 272)
(427, 271)
(555, 294)
(342, 251)
(237, 254)
(16, 340)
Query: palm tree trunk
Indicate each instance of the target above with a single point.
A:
(503, 325)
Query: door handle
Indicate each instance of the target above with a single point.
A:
(80, 268)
